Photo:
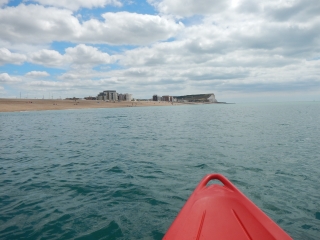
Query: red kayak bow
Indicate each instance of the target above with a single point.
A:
(222, 212)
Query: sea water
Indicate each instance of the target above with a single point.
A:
(125, 173)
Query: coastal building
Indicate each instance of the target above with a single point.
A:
(90, 98)
(156, 97)
(167, 98)
(124, 97)
(112, 95)
(108, 95)
(121, 97)
(101, 96)
(73, 99)
(128, 96)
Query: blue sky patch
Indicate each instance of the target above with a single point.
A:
(61, 46)
(21, 70)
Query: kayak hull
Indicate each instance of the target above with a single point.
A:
(222, 212)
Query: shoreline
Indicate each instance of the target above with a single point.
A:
(23, 105)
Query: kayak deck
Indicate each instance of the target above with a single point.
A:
(222, 212)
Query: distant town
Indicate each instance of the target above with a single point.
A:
(112, 95)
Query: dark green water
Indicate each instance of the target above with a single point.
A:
(125, 173)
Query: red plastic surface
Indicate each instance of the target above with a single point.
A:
(222, 212)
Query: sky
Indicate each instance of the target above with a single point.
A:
(240, 50)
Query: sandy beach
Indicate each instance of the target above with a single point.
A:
(18, 105)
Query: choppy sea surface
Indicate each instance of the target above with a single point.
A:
(125, 173)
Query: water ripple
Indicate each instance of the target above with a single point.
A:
(126, 173)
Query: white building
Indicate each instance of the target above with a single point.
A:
(121, 97)
(108, 95)
(124, 97)
(128, 97)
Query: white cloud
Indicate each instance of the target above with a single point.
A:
(35, 24)
(6, 78)
(278, 10)
(297, 10)
(22, 48)
(50, 58)
(234, 46)
(3, 2)
(87, 55)
(190, 7)
(82, 56)
(129, 28)
(76, 4)
(37, 74)
(8, 57)
(78, 88)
